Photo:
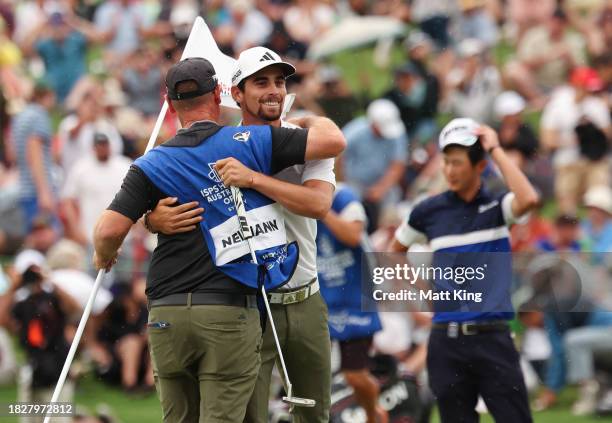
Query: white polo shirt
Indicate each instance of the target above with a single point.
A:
(304, 229)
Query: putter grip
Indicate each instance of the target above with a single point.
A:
(245, 229)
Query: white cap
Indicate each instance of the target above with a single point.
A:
(461, 131)
(386, 116)
(254, 59)
(508, 103)
(599, 197)
(28, 258)
(183, 13)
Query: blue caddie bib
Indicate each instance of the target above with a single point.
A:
(339, 270)
(184, 168)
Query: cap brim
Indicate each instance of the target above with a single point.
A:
(464, 140)
(288, 70)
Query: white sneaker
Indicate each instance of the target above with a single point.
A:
(587, 400)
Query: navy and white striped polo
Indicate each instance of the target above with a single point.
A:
(459, 232)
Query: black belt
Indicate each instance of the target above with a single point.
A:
(205, 298)
(453, 329)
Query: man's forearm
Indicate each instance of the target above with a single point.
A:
(35, 159)
(348, 232)
(525, 195)
(303, 200)
(109, 233)
(392, 177)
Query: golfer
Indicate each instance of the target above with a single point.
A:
(204, 327)
(471, 353)
(305, 192)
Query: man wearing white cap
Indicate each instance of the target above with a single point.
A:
(597, 228)
(515, 136)
(376, 155)
(470, 350)
(305, 192)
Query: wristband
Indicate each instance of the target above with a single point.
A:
(147, 224)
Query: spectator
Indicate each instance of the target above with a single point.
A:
(474, 84)
(524, 238)
(142, 82)
(307, 19)
(412, 96)
(525, 14)
(43, 234)
(433, 17)
(38, 313)
(8, 363)
(581, 345)
(582, 332)
(376, 176)
(597, 226)
(252, 28)
(12, 85)
(67, 261)
(335, 98)
(123, 24)
(76, 131)
(61, 42)
(280, 41)
(515, 136)
(90, 187)
(476, 22)
(545, 56)
(565, 235)
(564, 238)
(574, 126)
(123, 335)
(32, 133)
(596, 29)
(11, 220)
(418, 48)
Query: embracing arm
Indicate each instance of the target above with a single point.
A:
(311, 199)
(325, 140)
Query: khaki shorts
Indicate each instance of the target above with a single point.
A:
(573, 180)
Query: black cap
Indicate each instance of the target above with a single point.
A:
(196, 69)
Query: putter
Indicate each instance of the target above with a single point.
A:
(248, 234)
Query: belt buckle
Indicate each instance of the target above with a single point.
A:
(288, 298)
(452, 330)
(301, 295)
(468, 329)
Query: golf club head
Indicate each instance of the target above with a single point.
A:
(299, 402)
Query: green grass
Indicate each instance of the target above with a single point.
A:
(91, 393)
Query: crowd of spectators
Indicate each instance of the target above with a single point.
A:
(81, 84)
